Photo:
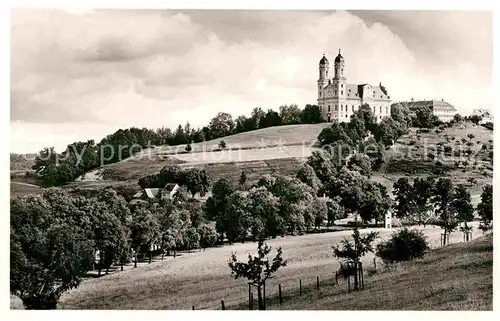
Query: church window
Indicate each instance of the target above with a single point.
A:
(328, 107)
(352, 108)
(386, 110)
(341, 85)
(335, 107)
(342, 92)
(374, 110)
(381, 109)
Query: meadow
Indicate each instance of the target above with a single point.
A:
(202, 278)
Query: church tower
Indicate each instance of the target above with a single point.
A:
(324, 65)
(339, 87)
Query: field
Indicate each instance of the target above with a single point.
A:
(456, 277)
(202, 278)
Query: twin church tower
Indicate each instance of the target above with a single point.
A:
(338, 100)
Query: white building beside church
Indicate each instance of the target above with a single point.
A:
(338, 100)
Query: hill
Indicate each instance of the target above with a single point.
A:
(455, 277)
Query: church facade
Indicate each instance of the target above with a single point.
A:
(338, 100)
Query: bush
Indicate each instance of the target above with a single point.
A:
(222, 144)
(188, 148)
(404, 245)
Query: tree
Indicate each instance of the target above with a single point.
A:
(270, 119)
(310, 115)
(290, 114)
(351, 252)
(422, 193)
(475, 119)
(258, 269)
(319, 211)
(222, 144)
(335, 210)
(403, 191)
(425, 118)
(360, 163)
(442, 200)
(145, 232)
(457, 118)
(221, 125)
(192, 238)
(485, 208)
(307, 175)
(243, 180)
(197, 181)
(470, 136)
(50, 247)
(462, 207)
(208, 235)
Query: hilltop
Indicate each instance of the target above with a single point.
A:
(283, 149)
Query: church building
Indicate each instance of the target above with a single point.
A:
(338, 100)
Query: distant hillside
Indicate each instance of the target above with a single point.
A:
(21, 162)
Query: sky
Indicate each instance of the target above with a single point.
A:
(79, 75)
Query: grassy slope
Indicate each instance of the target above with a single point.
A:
(456, 277)
(202, 278)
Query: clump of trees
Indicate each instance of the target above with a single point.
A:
(403, 245)
(439, 200)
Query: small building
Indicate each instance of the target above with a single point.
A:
(388, 220)
(167, 192)
(440, 108)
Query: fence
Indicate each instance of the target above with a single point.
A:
(277, 293)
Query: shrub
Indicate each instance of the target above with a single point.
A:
(188, 148)
(222, 144)
(412, 142)
(404, 245)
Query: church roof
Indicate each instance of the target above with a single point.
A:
(357, 91)
(323, 61)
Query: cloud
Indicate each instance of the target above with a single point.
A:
(153, 68)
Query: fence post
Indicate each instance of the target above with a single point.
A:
(317, 282)
(300, 287)
(349, 284)
(193, 307)
(281, 298)
(375, 263)
(250, 303)
(222, 303)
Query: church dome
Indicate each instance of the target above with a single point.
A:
(323, 61)
(339, 58)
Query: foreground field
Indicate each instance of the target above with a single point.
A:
(202, 278)
(455, 277)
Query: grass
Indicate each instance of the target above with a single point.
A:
(202, 278)
(455, 277)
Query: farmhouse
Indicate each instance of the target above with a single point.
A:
(338, 100)
(167, 192)
(440, 108)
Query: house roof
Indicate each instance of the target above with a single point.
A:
(152, 192)
(169, 187)
(138, 194)
(432, 104)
